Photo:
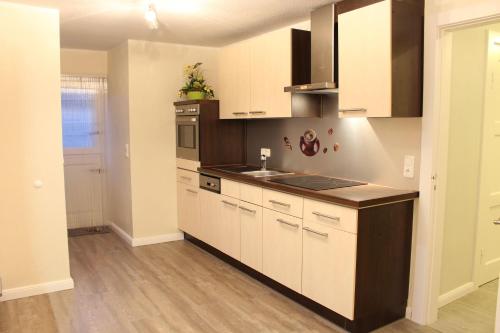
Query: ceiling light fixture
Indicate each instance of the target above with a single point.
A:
(151, 16)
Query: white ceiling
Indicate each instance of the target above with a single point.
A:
(102, 24)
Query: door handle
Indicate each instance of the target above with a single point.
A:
(287, 223)
(324, 234)
(335, 218)
(497, 222)
(229, 203)
(248, 210)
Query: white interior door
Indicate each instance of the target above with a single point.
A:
(83, 105)
(488, 238)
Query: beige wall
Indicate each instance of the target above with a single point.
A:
(33, 240)
(84, 62)
(118, 191)
(466, 117)
(143, 80)
(156, 74)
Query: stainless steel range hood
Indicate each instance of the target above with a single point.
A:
(322, 54)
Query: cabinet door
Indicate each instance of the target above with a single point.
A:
(365, 71)
(188, 209)
(271, 71)
(329, 267)
(282, 248)
(251, 235)
(209, 214)
(234, 81)
(227, 237)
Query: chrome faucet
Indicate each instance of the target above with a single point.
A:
(263, 162)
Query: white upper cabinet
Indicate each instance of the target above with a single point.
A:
(252, 75)
(365, 61)
(234, 81)
(270, 72)
(380, 59)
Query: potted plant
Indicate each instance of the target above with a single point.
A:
(195, 86)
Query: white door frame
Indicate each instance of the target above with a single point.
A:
(439, 22)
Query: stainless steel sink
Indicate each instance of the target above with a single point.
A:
(266, 173)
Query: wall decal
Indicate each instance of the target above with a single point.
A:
(336, 147)
(309, 143)
(330, 131)
(287, 143)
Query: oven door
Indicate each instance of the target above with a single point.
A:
(188, 139)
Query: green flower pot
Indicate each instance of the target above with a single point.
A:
(195, 95)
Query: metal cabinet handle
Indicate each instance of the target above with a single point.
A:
(192, 191)
(287, 223)
(335, 218)
(353, 110)
(186, 178)
(257, 112)
(324, 234)
(229, 203)
(279, 203)
(497, 222)
(248, 210)
(239, 113)
(98, 170)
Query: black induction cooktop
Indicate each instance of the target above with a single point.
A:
(316, 183)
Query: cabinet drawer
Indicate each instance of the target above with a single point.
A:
(230, 188)
(329, 267)
(339, 217)
(282, 248)
(282, 202)
(188, 177)
(252, 194)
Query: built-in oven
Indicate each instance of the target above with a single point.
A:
(187, 121)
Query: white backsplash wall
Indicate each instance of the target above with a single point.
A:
(371, 150)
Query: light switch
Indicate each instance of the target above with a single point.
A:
(265, 151)
(409, 166)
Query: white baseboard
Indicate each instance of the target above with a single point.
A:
(456, 293)
(146, 240)
(122, 234)
(37, 289)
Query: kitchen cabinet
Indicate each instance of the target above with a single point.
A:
(188, 209)
(209, 216)
(227, 229)
(252, 75)
(329, 266)
(250, 218)
(282, 248)
(234, 81)
(380, 58)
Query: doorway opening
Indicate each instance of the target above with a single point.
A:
(470, 206)
(84, 101)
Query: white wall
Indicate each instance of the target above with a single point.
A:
(466, 115)
(84, 62)
(143, 80)
(117, 135)
(156, 74)
(33, 240)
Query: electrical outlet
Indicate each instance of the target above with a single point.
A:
(265, 151)
(409, 166)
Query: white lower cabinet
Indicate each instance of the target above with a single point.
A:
(227, 228)
(250, 217)
(209, 214)
(329, 266)
(188, 209)
(282, 248)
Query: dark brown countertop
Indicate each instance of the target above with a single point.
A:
(354, 197)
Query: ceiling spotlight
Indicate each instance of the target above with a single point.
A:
(151, 17)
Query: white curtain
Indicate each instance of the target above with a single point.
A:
(83, 104)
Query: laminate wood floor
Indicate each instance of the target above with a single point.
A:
(171, 287)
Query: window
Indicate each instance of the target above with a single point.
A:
(83, 100)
